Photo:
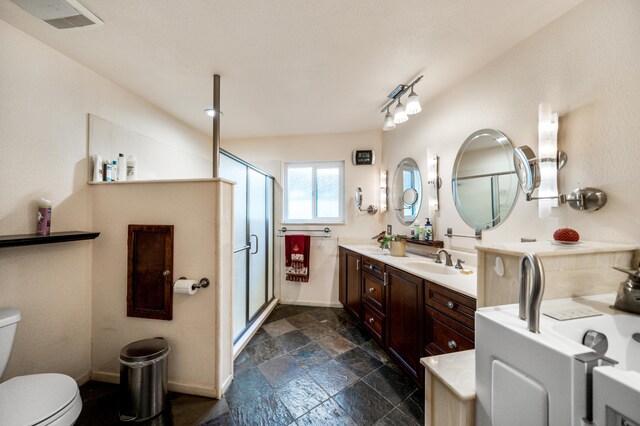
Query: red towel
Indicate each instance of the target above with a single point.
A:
(296, 248)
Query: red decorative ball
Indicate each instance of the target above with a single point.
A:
(566, 234)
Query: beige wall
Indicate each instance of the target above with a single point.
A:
(193, 209)
(44, 101)
(586, 65)
(270, 154)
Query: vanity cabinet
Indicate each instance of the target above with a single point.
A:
(448, 321)
(350, 281)
(404, 313)
(410, 317)
(374, 298)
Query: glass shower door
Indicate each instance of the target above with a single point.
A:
(258, 241)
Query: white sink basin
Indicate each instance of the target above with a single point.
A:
(552, 384)
(432, 267)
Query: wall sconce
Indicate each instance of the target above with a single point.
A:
(401, 113)
(383, 191)
(542, 172)
(433, 180)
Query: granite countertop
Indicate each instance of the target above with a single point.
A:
(456, 370)
(465, 284)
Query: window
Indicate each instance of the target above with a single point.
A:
(314, 192)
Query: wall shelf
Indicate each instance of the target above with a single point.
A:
(54, 237)
(436, 243)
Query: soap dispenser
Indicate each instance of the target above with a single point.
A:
(428, 231)
(628, 298)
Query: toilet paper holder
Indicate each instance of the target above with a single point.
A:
(204, 283)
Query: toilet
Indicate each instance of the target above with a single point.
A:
(35, 399)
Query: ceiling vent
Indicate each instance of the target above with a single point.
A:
(62, 14)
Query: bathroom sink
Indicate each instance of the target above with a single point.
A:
(435, 268)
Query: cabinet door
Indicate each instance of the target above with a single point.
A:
(403, 319)
(352, 283)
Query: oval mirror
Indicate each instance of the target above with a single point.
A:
(406, 191)
(484, 180)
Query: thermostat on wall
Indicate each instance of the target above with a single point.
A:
(361, 157)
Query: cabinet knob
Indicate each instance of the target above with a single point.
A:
(372, 290)
(450, 304)
(371, 267)
(166, 273)
(371, 320)
(452, 344)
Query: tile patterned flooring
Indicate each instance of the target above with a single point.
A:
(304, 366)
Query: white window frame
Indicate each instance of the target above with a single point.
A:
(315, 165)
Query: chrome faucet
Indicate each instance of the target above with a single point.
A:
(531, 296)
(447, 256)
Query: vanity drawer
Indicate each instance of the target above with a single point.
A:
(373, 291)
(444, 335)
(458, 306)
(373, 267)
(373, 321)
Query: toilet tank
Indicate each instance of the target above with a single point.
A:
(9, 318)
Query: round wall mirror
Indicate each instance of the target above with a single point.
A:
(484, 180)
(406, 192)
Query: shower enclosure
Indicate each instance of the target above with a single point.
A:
(252, 240)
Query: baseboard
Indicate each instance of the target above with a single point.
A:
(318, 304)
(84, 378)
(226, 385)
(101, 376)
(240, 344)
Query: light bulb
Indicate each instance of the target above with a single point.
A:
(388, 122)
(400, 116)
(210, 112)
(413, 103)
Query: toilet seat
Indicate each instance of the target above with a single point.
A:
(39, 399)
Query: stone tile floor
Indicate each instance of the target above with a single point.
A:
(305, 366)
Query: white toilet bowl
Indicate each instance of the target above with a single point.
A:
(35, 399)
(39, 399)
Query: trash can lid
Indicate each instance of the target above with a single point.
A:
(144, 350)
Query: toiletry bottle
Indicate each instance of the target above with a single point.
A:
(114, 170)
(132, 172)
(122, 168)
(97, 168)
(420, 232)
(412, 232)
(44, 217)
(107, 171)
(428, 231)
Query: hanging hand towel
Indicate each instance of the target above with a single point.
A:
(297, 257)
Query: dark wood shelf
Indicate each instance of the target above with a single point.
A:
(436, 243)
(54, 237)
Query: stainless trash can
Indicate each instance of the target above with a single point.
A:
(143, 379)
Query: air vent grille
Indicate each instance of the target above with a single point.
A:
(62, 14)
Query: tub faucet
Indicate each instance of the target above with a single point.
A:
(447, 256)
(531, 296)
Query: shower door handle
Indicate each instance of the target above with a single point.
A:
(257, 244)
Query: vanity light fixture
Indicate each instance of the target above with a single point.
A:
(534, 172)
(210, 112)
(383, 191)
(401, 112)
(433, 180)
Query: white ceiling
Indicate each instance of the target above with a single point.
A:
(289, 66)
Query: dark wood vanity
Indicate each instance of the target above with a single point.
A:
(410, 317)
